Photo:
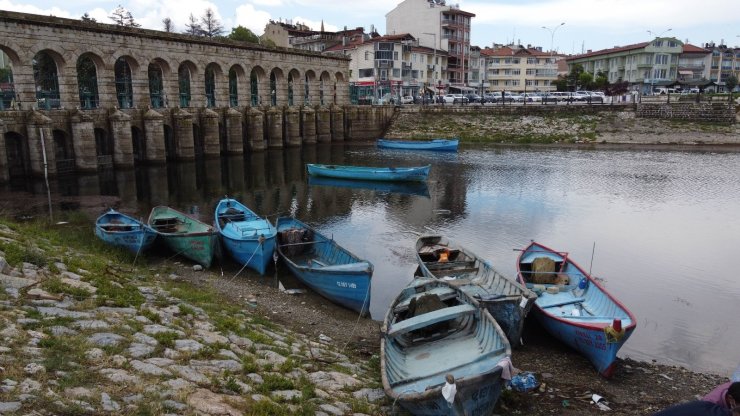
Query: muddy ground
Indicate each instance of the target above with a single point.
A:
(568, 380)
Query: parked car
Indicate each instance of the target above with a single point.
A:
(549, 97)
(529, 97)
(407, 99)
(474, 98)
(507, 97)
(455, 99)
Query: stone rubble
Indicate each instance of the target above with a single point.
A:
(162, 352)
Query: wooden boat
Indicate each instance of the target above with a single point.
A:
(369, 173)
(249, 239)
(124, 231)
(324, 266)
(508, 301)
(409, 188)
(185, 235)
(443, 145)
(574, 307)
(433, 329)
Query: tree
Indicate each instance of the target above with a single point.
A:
(585, 80)
(210, 26)
(618, 88)
(601, 82)
(731, 83)
(561, 84)
(242, 34)
(122, 17)
(169, 27)
(192, 27)
(86, 18)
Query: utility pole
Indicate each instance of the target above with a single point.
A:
(434, 62)
(552, 39)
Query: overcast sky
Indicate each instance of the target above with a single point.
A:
(589, 24)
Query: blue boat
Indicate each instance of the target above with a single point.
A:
(508, 301)
(248, 238)
(409, 188)
(121, 230)
(418, 174)
(440, 145)
(433, 329)
(575, 308)
(324, 266)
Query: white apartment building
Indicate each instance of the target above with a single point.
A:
(437, 25)
(517, 68)
(391, 66)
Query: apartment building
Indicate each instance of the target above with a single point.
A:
(437, 25)
(647, 65)
(391, 66)
(518, 68)
(300, 36)
(722, 62)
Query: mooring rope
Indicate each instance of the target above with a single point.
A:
(261, 240)
(362, 309)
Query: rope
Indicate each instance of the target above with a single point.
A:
(351, 334)
(261, 240)
(141, 245)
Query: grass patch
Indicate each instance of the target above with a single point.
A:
(55, 285)
(210, 351)
(231, 385)
(186, 310)
(166, 339)
(63, 354)
(110, 294)
(228, 324)
(272, 382)
(249, 365)
(258, 337)
(22, 252)
(151, 315)
(308, 390)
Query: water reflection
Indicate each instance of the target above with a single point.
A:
(664, 222)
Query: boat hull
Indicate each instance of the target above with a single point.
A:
(325, 267)
(440, 145)
(184, 235)
(120, 230)
(410, 188)
(411, 174)
(417, 355)
(578, 310)
(507, 300)
(249, 239)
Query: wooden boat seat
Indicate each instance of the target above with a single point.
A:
(444, 293)
(119, 227)
(429, 318)
(561, 302)
(166, 224)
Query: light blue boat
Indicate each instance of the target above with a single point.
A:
(574, 307)
(433, 329)
(440, 145)
(249, 239)
(121, 230)
(507, 300)
(369, 173)
(409, 188)
(323, 265)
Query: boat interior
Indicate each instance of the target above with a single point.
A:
(168, 225)
(441, 261)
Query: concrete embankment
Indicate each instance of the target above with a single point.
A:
(545, 124)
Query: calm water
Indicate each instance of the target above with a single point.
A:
(664, 223)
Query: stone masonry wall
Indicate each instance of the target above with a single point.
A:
(704, 112)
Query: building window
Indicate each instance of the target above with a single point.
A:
(661, 59)
(529, 82)
(396, 73)
(234, 88)
(658, 43)
(156, 86)
(395, 56)
(124, 89)
(87, 81)
(210, 83)
(532, 61)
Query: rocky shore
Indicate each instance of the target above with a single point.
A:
(83, 331)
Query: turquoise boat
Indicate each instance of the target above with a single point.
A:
(323, 265)
(575, 308)
(408, 188)
(433, 329)
(121, 230)
(368, 173)
(508, 301)
(439, 145)
(249, 239)
(184, 235)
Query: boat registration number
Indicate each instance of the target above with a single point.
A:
(347, 285)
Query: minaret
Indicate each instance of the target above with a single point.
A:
(322, 25)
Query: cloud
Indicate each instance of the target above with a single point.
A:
(268, 3)
(314, 24)
(29, 8)
(251, 18)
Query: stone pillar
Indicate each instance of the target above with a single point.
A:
(154, 133)
(308, 122)
(234, 132)
(350, 115)
(255, 129)
(314, 98)
(281, 92)
(123, 145)
(342, 91)
(337, 123)
(274, 128)
(38, 125)
(183, 130)
(211, 136)
(292, 127)
(83, 141)
(323, 125)
(4, 174)
(263, 90)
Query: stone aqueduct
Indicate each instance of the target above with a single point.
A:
(81, 96)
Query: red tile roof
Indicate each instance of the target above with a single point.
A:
(507, 51)
(689, 48)
(612, 50)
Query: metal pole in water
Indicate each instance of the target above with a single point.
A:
(46, 172)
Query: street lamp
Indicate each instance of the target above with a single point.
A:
(434, 60)
(661, 33)
(552, 39)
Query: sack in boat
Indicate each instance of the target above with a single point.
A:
(543, 271)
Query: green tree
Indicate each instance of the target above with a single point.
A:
(561, 84)
(123, 17)
(601, 81)
(210, 25)
(242, 34)
(731, 83)
(585, 80)
(86, 18)
(573, 78)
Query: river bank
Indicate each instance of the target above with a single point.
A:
(85, 332)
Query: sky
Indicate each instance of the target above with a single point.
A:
(589, 24)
